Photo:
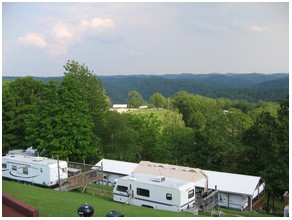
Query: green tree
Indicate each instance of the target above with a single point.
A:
(119, 140)
(266, 153)
(62, 124)
(135, 99)
(177, 146)
(19, 100)
(158, 100)
(148, 134)
(9, 137)
(95, 96)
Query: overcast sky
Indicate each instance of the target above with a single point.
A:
(145, 38)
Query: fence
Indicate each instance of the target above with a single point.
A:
(96, 191)
(81, 175)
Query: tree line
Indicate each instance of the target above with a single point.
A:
(71, 118)
(250, 87)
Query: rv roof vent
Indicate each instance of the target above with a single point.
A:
(38, 159)
(158, 178)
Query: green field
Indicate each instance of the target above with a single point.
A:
(52, 203)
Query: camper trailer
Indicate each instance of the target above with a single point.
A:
(36, 170)
(158, 192)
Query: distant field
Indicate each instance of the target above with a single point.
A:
(165, 116)
(52, 203)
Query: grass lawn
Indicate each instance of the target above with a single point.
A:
(160, 114)
(52, 203)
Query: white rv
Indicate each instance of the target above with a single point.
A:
(35, 170)
(157, 192)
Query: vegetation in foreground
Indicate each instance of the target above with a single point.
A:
(71, 119)
(52, 203)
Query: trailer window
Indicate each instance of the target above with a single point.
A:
(4, 165)
(191, 194)
(14, 167)
(25, 170)
(143, 192)
(168, 196)
(122, 188)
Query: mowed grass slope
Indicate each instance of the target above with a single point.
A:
(52, 203)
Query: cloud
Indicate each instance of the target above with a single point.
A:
(61, 32)
(61, 36)
(258, 29)
(32, 39)
(100, 22)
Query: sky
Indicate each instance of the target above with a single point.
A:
(39, 38)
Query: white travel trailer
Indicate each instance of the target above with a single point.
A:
(35, 170)
(157, 192)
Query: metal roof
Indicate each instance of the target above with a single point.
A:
(118, 167)
(120, 106)
(231, 183)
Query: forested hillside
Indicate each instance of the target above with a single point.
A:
(251, 87)
(71, 118)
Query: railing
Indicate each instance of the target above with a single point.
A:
(80, 174)
(208, 202)
(259, 202)
(81, 179)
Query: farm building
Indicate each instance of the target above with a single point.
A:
(114, 169)
(119, 106)
(236, 191)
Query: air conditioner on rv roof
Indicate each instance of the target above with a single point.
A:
(158, 178)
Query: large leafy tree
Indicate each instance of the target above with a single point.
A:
(118, 138)
(135, 99)
(177, 146)
(68, 118)
(158, 100)
(94, 93)
(19, 100)
(267, 151)
(129, 137)
(62, 124)
(148, 134)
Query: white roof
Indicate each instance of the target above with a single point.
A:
(231, 183)
(118, 167)
(120, 106)
(17, 158)
(167, 182)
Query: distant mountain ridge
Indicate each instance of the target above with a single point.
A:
(250, 86)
